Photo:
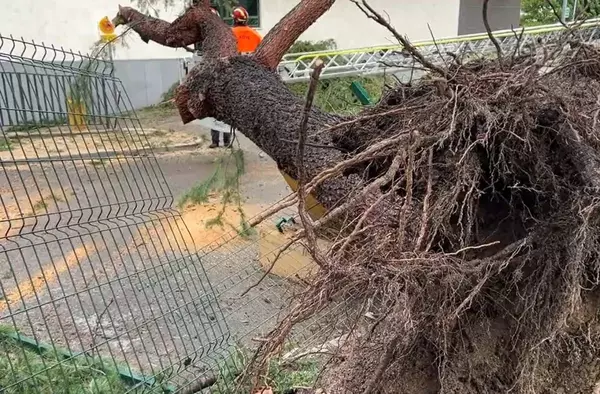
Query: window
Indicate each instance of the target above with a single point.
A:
(253, 7)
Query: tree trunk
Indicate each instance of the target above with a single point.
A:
(246, 95)
(244, 92)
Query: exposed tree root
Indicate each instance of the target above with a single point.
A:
(482, 247)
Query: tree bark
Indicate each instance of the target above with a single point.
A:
(248, 96)
(283, 35)
(244, 92)
(197, 24)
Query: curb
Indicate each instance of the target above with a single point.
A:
(109, 154)
(51, 134)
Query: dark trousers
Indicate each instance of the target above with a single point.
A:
(214, 136)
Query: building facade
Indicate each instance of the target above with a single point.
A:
(73, 24)
(418, 20)
(502, 14)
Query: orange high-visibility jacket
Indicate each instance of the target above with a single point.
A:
(247, 38)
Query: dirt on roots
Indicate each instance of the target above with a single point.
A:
(478, 248)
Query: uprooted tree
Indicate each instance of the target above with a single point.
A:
(466, 206)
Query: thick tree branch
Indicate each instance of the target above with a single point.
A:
(488, 29)
(147, 27)
(283, 35)
(197, 24)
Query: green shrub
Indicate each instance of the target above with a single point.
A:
(170, 93)
(313, 46)
(334, 95)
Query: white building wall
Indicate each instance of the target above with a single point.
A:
(72, 24)
(350, 28)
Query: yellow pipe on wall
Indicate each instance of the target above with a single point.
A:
(77, 112)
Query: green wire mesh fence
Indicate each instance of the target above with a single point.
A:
(99, 291)
(102, 286)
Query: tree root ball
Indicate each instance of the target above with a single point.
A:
(480, 255)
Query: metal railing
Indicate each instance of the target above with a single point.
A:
(99, 292)
(103, 287)
(376, 60)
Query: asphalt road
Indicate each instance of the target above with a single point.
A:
(93, 257)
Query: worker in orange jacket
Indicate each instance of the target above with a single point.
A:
(247, 42)
(247, 38)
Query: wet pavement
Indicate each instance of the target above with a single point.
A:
(95, 257)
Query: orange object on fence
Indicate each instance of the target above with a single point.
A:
(107, 30)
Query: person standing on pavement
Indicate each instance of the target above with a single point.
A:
(214, 134)
(248, 40)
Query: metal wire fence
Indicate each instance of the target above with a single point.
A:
(254, 302)
(102, 289)
(99, 289)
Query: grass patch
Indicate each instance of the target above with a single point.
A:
(164, 108)
(281, 377)
(24, 371)
(5, 144)
(34, 125)
(285, 377)
(301, 46)
(40, 207)
(335, 96)
(97, 162)
(224, 180)
(154, 113)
